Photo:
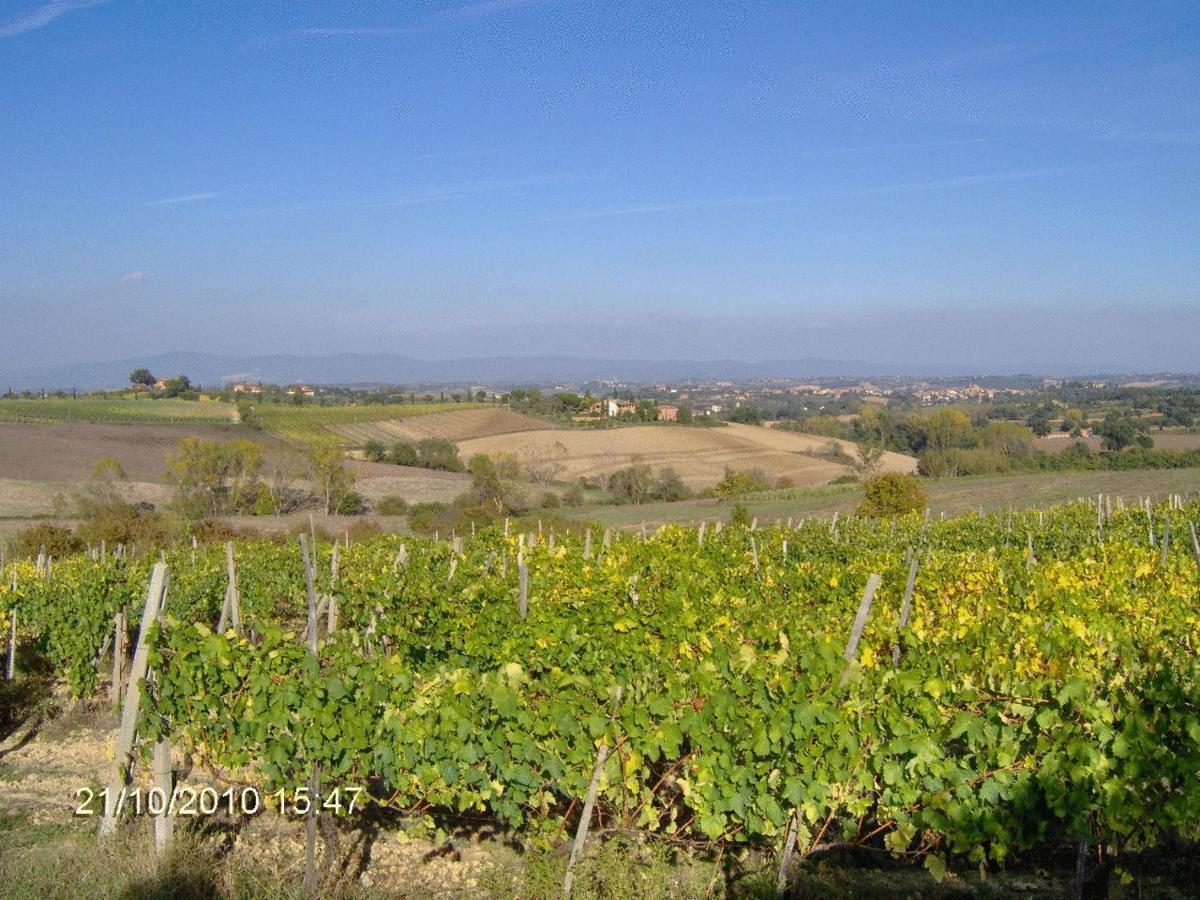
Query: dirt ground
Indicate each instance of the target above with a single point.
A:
(67, 452)
(699, 455)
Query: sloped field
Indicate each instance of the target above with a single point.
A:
(456, 425)
(699, 455)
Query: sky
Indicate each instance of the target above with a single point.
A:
(986, 185)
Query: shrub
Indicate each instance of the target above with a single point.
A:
(574, 495)
(392, 505)
(669, 486)
(735, 483)
(351, 503)
(740, 515)
(375, 451)
(57, 540)
(892, 494)
(125, 523)
(551, 501)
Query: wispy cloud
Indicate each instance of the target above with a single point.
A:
(185, 198)
(963, 181)
(44, 16)
(135, 277)
(882, 148)
(355, 32)
(468, 189)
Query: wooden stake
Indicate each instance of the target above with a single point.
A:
(905, 608)
(789, 847)
(523, 589)
(118, 657)
(585, 819)
(860, 621)
(123, 756)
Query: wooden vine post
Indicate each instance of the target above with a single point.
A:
(314, 781)
(905, 609)
(123, 757)
(860, 622)
(585, 818)
(522, 587)
(10, 664)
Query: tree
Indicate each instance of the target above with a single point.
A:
(947, 428)
(141, 378)
(374, 450)
(545, 463)
(334, 482)
(632, 484)
(1117, 432)
(214, 477)
(105, 487)
(892, 494)
(868, 458)
(487, 484)
(685, 415)
(439, 453)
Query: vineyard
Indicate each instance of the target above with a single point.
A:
(964, 690)
(315, 424)
(116, 411)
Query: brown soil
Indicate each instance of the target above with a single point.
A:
(699, 455)
(459, 425)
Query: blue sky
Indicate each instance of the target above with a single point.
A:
(988, 184)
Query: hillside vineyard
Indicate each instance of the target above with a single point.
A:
(1014, 679)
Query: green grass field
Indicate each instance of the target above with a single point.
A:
(313, 424)
(953, 496)
(117, 411)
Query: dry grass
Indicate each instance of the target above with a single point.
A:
(699, 455)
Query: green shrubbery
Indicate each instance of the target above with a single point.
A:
(892, 494)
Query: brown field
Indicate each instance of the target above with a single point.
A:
(699, 455)
(458, 425)
(67, 452)
(41, 461)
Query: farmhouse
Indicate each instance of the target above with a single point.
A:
(610, 407)
(667, 412)
(245, 387)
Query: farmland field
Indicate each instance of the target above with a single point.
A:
(952, 496)
(711, 680)
(455, 425)
(309, 424)
(699, 455)
(117, 411)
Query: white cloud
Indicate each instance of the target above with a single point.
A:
(185, 198)
(135, 277)
(44, 16)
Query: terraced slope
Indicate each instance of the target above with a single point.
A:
(455, 425)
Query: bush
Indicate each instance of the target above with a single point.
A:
(574, 495)
(375, 451)
(736, 483)
(740, 516)
(892, 494)
(351, 503)
(392, 505)
(669, 486)
(551, 501)
(58, 541)
(125, 523)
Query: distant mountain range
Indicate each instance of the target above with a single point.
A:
(357, 369)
